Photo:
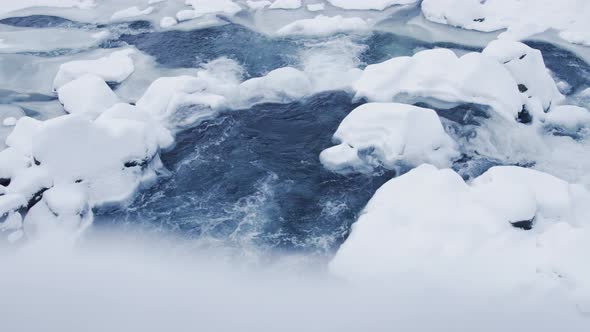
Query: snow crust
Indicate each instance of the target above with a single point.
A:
(385, 134)
(323, 25)
(429, 222)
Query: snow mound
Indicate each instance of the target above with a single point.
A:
(131, 12)
(369, 4)
(438, 75)
(88, 94)
(114, 68)
(259, 4)
(528, 69)
(286, 4)
(316, 7)
(386, 134)
(522, 19)
(430, 224)
(323, 26)
(568, 117)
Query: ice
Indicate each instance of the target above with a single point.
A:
(205, 7)
(87, 94)
(323, 25)
(369, 4)
(9, 121)
(438, 75)
(521, 19)
(256, 5)
(11, 6)
(285, 4)
(316, 7)
(279, 86)
(114, 68)
(131, 12)
(387, 134)
(430, 223)
(168, 21)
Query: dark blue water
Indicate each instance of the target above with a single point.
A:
(257, 172)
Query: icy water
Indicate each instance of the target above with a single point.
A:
(253, 176)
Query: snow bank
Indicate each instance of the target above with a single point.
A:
(369, 4)
(431, 223)
(131, 12)
(323, 25)
(87, 94)
(386, 134)
(438, 75)
(522, 19)
(114, 68)
(286, 4)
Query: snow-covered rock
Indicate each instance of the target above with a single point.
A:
(131, 12)
(115, 68)
(522, 18)
(369, 4)
(88, 94)
(440, 77)
(528, 69)
(323, 25)
(285, 4)
(431, 225)
(386, 134)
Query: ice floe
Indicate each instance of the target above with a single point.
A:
(387, 134)
(131, 12)
(369, 4)
(285, 4)
(88, 94)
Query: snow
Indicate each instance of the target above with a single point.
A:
(369, 4)
(256, 5)
(430, 224)
(116, 67)
(522, 19)
(286, 4)
(386, 134)
(87, 94)
(131, 12)
(206, 7)
(9, 121)
(569, 117)
(280, 86)
(168, 21)
(528, 69)
(11, 6)
(323, 26)
(438, 75)
(316, 7)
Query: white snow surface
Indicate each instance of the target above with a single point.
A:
(285, 4)
(369, 4)
(88, 94)
(115, 67)
(323, 26)
(11, 6)
(206, 7)
(430, 223)
(131, 12)
(439, 75)
(521, 19)
(385, 134)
